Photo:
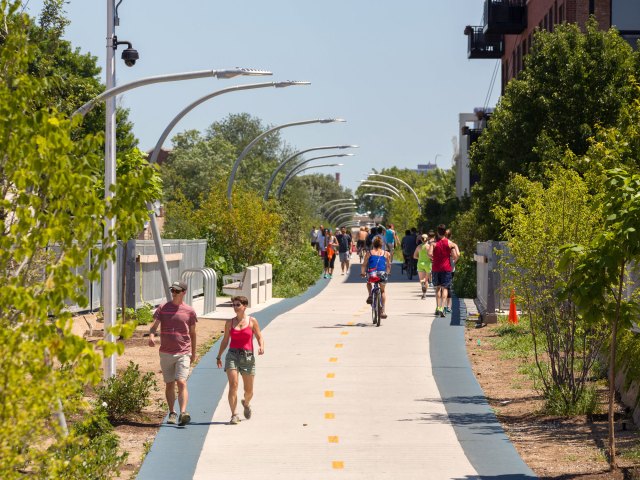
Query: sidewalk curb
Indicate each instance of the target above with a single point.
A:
(479, 432)
(176, 450)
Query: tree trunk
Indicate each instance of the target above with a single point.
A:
(612, 371)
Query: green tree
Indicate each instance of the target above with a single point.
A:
(194, 165)
(198, 159)
(598, 268)
(573, 82)
(537, 225)
(50, 211)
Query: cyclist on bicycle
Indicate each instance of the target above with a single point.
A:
(377, 263)
(362, 241)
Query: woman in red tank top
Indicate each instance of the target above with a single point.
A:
(239, 331)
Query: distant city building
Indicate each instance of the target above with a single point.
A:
(426, 167)
(471, 125)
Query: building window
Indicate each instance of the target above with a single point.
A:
(561, 18)
(551, 19)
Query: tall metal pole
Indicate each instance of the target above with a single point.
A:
(109, 277)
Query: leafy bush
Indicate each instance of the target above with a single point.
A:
(90, 451)
(127, 393)
(464, 281)
(144, 315)
(556, 402)
(295, 270)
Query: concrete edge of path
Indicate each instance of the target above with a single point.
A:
(485, 444)
(175, 450)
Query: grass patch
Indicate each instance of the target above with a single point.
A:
(632, 453)
(514, 341)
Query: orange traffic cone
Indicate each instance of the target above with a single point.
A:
(513, 315)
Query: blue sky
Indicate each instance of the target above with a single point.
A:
(396, 71)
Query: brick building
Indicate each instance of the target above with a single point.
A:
(507, 32)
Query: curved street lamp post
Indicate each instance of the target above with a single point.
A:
(376, 182)
(399, 195)
(379, 195)
(333, 208)
(334, 201)
(343, 216)
(293, 171)
(246, 150)
(284, 162)
(341, 209)
(402, 182)
(164, 269)
(309, 168)
(109, 288)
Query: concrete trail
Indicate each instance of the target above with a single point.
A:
(337, 397)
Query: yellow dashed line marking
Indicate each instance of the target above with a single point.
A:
(333, 359)
(333, 439)
(331, 375)
(329, 416)
(339, 345)
(328, 393)
(344, 333)
(337, 465)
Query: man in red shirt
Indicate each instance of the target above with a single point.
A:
(441, 252)
(177, 322)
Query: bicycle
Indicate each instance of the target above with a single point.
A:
(361, 253)
(376, 300)
(410, 267)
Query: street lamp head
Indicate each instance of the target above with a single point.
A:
(289, 83)
(332, 120)
(237, 72)
(345, 155)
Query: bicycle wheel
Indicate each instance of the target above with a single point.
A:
(379, 310)
(374, 309)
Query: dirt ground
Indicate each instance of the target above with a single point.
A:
(137, 434)
(553, 447)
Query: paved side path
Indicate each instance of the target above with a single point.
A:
(337, 397)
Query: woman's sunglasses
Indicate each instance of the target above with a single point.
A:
(237, 305)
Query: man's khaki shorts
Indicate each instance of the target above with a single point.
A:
(174, 367)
